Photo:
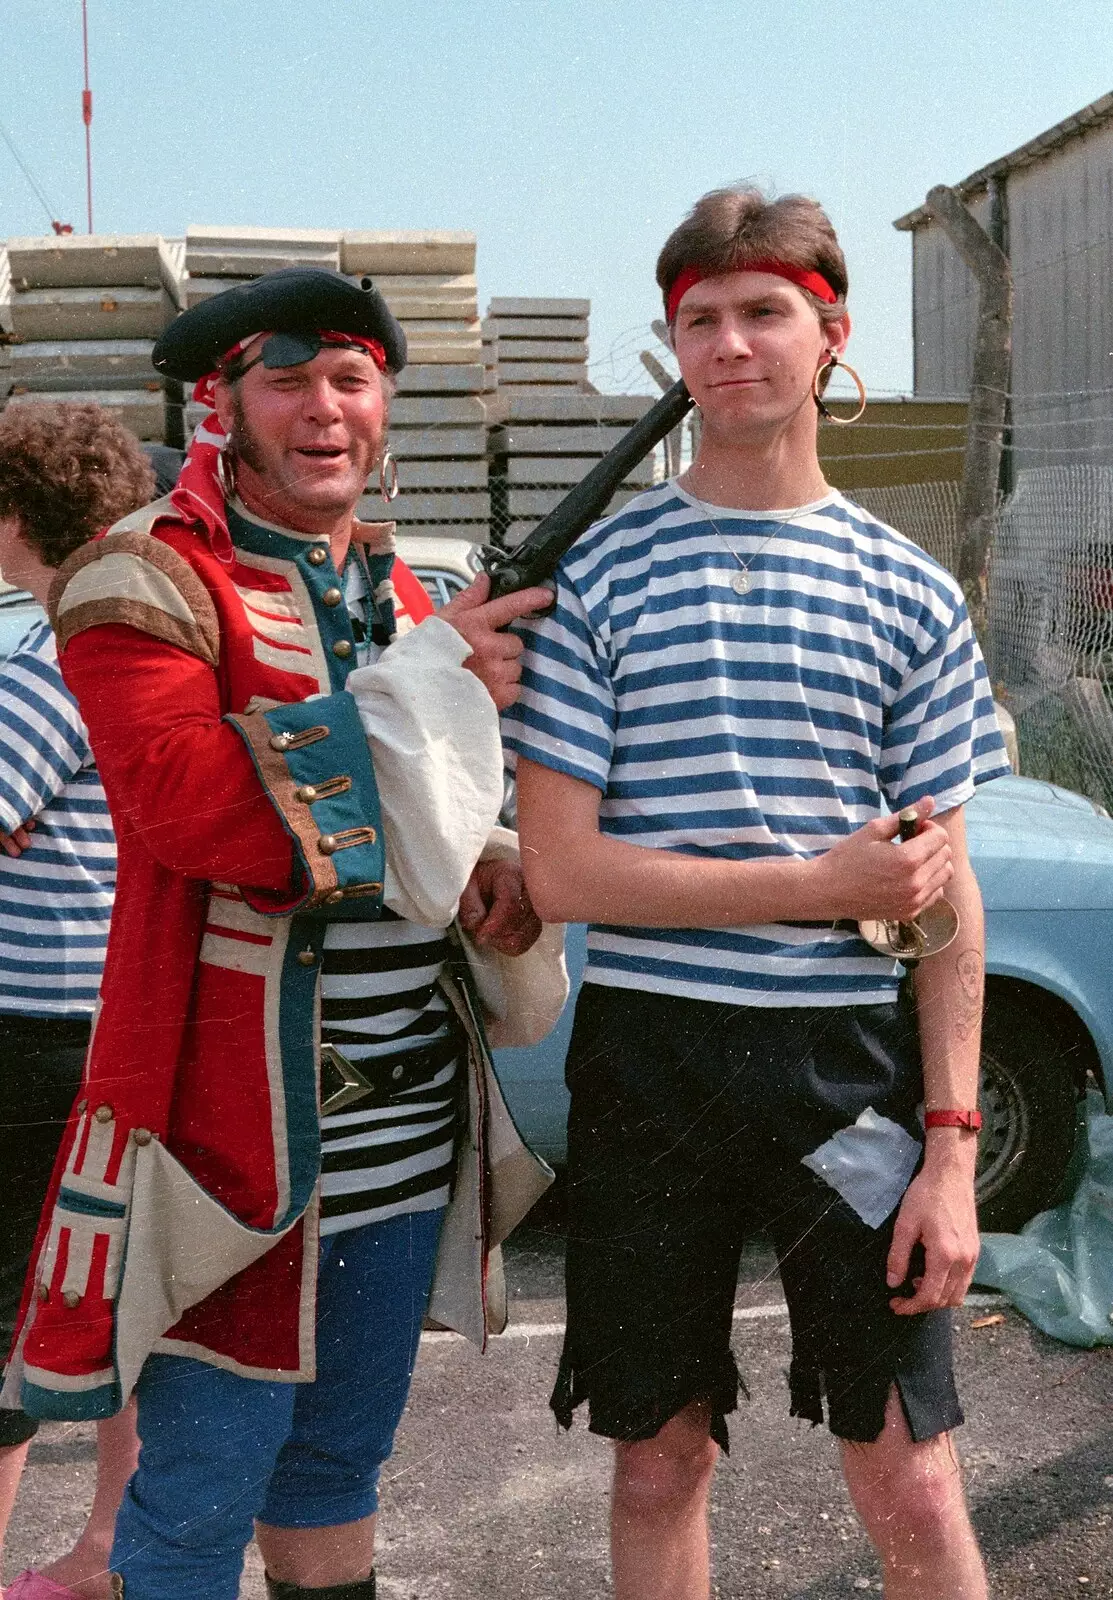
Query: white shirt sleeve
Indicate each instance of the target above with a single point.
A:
(433, 733)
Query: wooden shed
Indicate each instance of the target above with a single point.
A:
(1049, 205)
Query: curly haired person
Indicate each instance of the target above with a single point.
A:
(66, 473)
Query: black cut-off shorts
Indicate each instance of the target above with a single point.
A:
(689, 1120)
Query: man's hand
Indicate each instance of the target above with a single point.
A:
(495, 909)
(15, 843)
(495, 655)
(938, 1212)
(866, 876)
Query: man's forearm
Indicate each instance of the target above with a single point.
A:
(577, 874)
(938, 1207)
(606, 880)
(949, 991)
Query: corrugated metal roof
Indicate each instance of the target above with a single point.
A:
(1092, 116)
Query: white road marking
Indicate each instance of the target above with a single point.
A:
(551, 1330)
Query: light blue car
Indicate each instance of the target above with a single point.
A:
(17, 612)
(1044, 860)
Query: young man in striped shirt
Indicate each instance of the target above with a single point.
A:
(744, 679)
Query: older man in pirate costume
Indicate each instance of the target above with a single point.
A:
(303, 767)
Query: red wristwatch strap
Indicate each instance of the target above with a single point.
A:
(954, 1119)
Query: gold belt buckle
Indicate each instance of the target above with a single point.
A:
(342, 1083)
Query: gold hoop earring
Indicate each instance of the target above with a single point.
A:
(388, 477)
(825, 371)
(226, 473)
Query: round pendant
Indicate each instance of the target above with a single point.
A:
(740, 583)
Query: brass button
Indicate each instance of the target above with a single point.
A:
(81, 1104)
(342, 648)
(104, 1113)
(326, 844)
(43, 1291)
(71, 1298)
(317, 556)
(306, 794)
(308, 958)
(281, 741)
(332, 597)
(142, 1135)
(334, 898)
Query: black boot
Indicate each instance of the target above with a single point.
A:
(364, 1589)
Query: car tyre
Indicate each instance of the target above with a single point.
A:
(1030, 1116)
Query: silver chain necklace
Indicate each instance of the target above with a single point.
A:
(741, 582)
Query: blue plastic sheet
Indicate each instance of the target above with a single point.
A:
(1058, 1271)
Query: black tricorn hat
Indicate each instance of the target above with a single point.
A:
(292, 300)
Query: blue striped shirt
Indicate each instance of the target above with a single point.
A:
(844, 685)
(56, 898)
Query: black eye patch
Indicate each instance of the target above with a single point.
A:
(285, 350)
(290, 349)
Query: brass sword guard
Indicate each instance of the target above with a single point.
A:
(932, 931)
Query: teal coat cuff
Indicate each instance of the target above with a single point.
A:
(313, 761)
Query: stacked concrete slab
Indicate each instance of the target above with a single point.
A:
(538, 343)
(490, 358)
(216, 258)
(85, 312)
(428, 281)
(438, 420)
(546, 442)
(490, 425)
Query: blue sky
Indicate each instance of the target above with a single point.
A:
(569, 135)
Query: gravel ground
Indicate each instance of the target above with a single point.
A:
(484, 1497)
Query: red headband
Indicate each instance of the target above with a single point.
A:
(327, 335)
(203, 388)
(814, 282)
(372, 346)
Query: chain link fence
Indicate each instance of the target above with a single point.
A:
(1049, 645)
(926, 512)
(1050, 637)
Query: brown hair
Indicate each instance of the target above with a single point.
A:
(67, 472)
(730, 227)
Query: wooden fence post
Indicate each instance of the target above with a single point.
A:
(989, 392)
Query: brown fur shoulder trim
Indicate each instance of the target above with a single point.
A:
(138, 580)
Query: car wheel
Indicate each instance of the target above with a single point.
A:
(1030, 1115)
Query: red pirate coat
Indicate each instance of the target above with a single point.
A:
(182, 1215)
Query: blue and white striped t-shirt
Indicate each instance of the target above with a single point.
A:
(56, 898)
(845, 684)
